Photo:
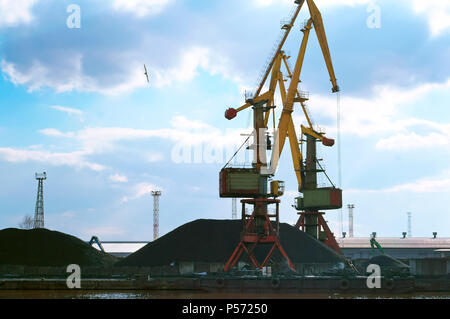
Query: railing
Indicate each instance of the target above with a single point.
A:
(249, 95)
(303, 95)
(304, 24)
(285, 24)
(275, 48)
(309, 115)
(318, 129)
(241, 165)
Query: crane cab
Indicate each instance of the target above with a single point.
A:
(276, 188)
(320, 199)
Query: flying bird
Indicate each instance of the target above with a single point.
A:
(146, 73)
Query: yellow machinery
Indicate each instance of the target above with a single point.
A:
(286, 128)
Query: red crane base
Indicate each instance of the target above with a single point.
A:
(251, 237)
(330, 240)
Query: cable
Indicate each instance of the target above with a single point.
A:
(237, 151)
(318, 163)
(338, 124)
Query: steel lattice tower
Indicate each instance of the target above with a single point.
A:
(234, 208)
(409, 224)
(350, 219)
(39, 211)
(156, 195)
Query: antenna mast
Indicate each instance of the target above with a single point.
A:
(39, 211)
(156, 195)
(350, 219)
(234, 208)
(409, 224)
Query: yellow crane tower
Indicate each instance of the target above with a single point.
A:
(314, 198)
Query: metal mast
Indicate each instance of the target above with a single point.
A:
(409, 224)
(39, 211)
(350, 219)
(156, 195)
(234, 208)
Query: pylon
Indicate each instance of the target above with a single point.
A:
(39, 211)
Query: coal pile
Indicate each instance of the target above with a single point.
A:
(387, 261)
(213, 241)
(389, 266)
(42, 247)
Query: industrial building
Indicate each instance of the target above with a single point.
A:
(425, 256)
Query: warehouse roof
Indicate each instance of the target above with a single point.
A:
(395, 242)
(121, 248)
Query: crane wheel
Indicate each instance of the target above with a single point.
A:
(275, 283)
(390, 284)
(344, 284)
(220, 282)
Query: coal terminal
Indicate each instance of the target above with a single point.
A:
(207, 240)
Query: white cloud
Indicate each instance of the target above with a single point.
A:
(103, 231)
(437, 13)
(39, 76)
(142, 8)
(192, 59)
(118, 178)
(193, 141)
(183, 123)
(55, 133)
(68, 110)
(139, 191)
(35, 147)
(73, 159)
(385, 113)
(156, 157)
(319, 3)
(191, 132)
(15, 12)
(413, 141)
(426, 185)
(195, 58)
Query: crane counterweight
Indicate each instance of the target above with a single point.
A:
(252, 182)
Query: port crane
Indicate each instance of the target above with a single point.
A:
(263, 104)
(95, 240)
(375, 244)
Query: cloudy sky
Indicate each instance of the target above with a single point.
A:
(75, 103)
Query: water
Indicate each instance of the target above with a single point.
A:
(141, 294)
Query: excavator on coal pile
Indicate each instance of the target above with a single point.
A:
(252, 182)
(389, 266)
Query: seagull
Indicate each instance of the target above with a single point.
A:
(146, 73)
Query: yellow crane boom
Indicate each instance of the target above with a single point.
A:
(286, 126)
(287, 27)
(321, 36)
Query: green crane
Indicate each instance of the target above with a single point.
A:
(374, 243)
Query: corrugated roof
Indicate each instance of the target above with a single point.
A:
(355, 242)
(121, 247)
(393, 242)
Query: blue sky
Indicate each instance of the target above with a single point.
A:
(75, 102)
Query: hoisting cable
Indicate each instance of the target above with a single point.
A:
(339, 138)
(321, 168)
(338, 124)
(245, 142)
